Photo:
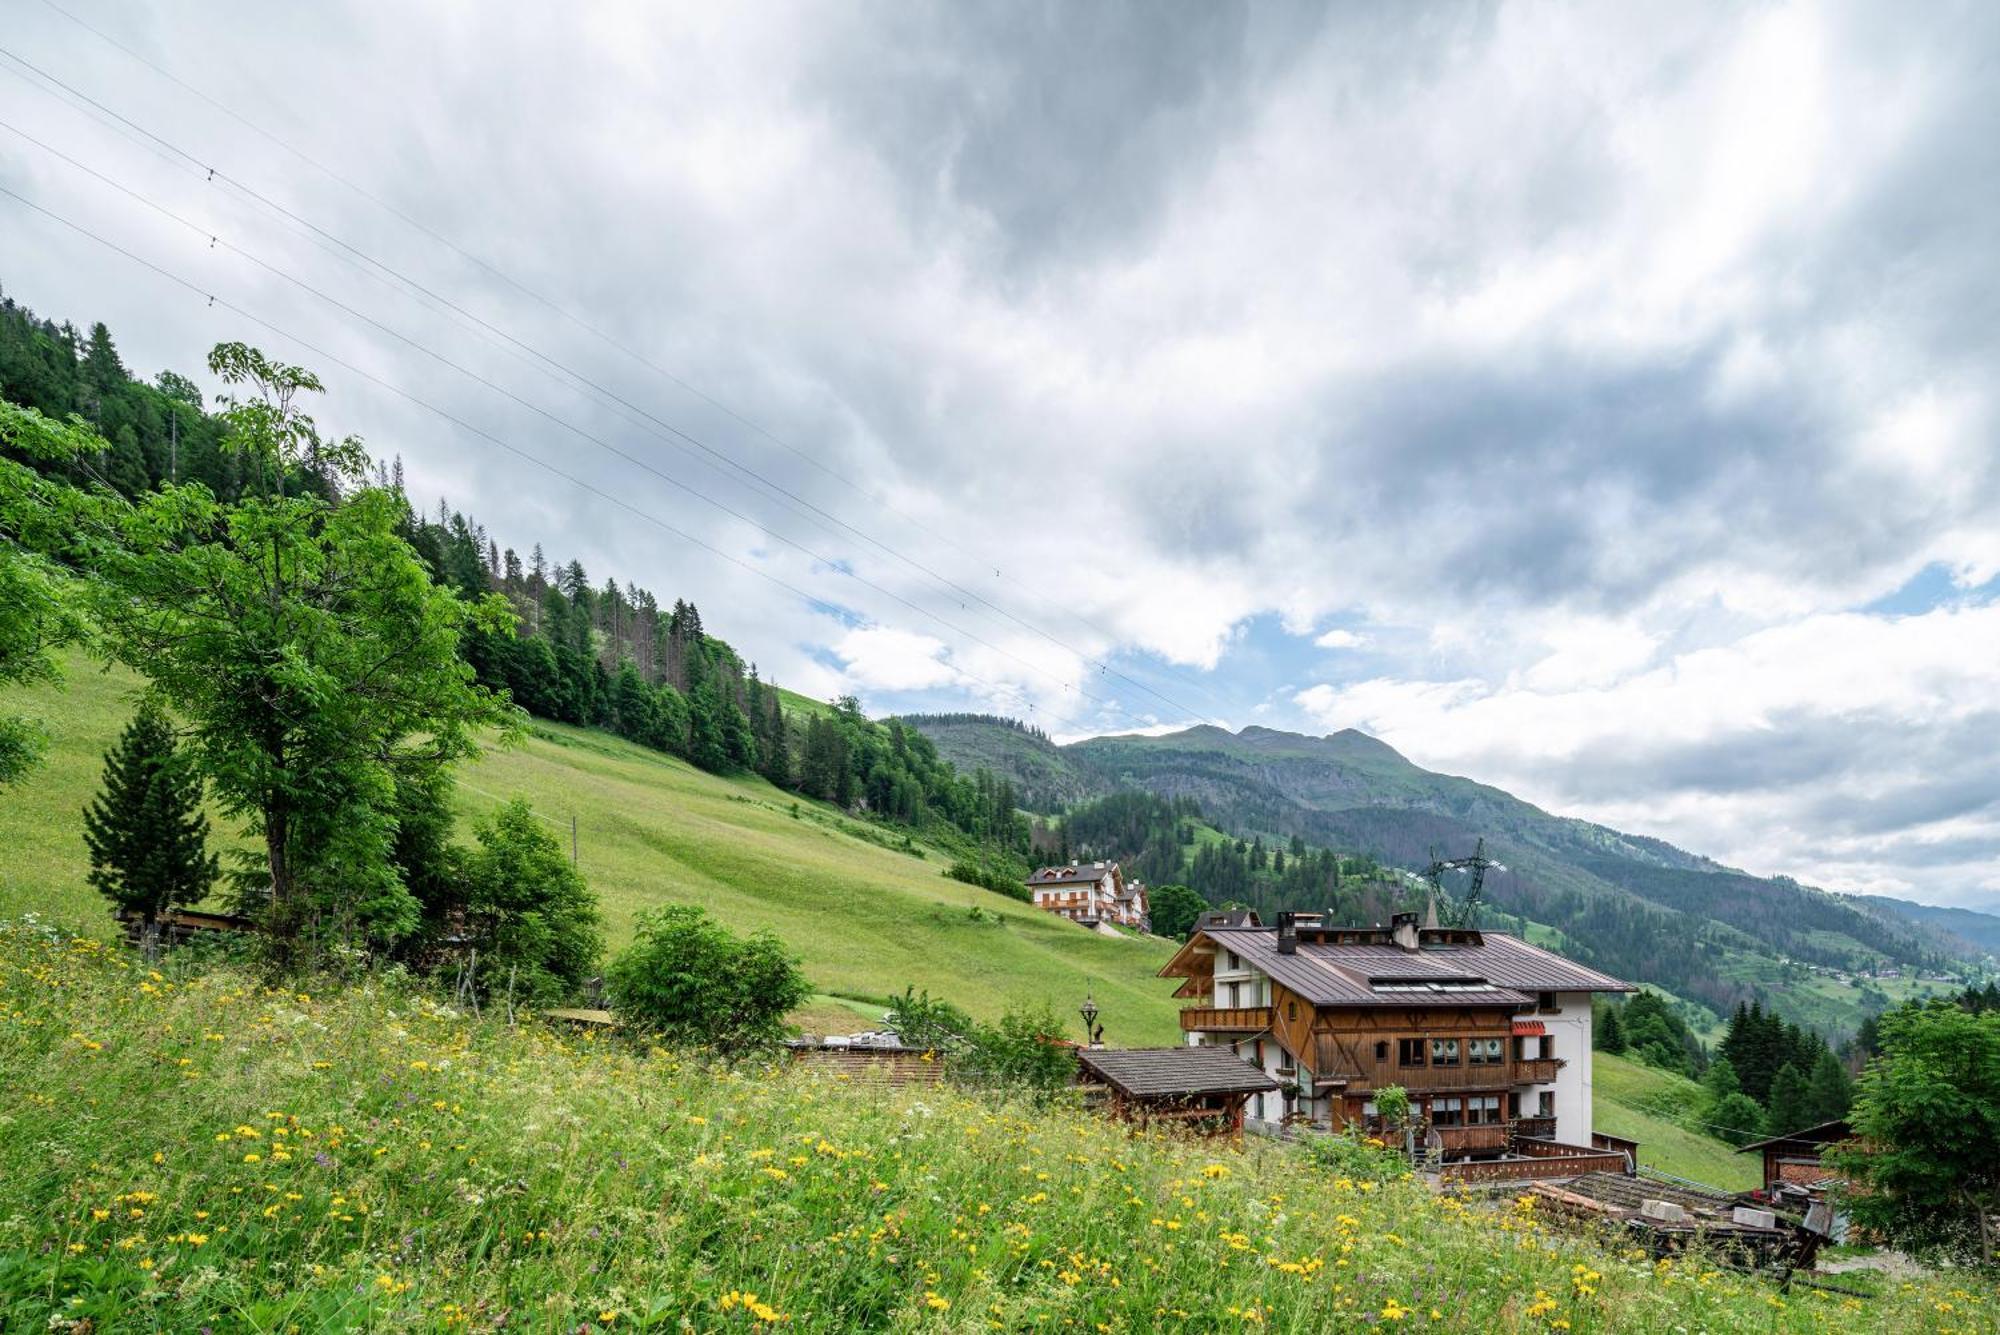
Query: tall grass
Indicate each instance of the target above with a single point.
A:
(181, 1153)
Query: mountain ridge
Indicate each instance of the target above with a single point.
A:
(1705, 931)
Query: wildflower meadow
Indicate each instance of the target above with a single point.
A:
(190, 1150)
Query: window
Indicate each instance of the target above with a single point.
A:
(1546, 1003)
(1444, 1052)
(1513, 1105)
(1483, 1110)
(1382, 1050)
(1291, 1010)
(1485, 1051)
(1447, 1112)
(1230, 956)
(1548, 1108)
(1410, 1052)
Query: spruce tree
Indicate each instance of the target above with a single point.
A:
(1788, 1110)
(147, 835)
(1611, 1034)
(1829, 1092)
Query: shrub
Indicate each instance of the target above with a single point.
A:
(1024, 1052)
(1351, 1155)
(692, 981)
(530, 915)
(998, 882)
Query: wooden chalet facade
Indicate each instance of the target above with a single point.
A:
(1488, 1035)
(1090, 893)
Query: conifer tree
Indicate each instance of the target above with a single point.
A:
(1829, 1092)
(147, 835)
(1611, 1034)
(1787, 1109)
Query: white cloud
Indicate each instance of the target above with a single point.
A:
(1341, 638)
(1845, 748)
(879, 658)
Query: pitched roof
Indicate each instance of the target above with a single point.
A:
(1826, 1133)
(1072, 873)
(1476, 969)
(1154, 1072)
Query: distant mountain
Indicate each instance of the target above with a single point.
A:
(1978, 930)
(1635, 905)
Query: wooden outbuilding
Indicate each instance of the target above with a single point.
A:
(1793, 1160)
(1197, 1085)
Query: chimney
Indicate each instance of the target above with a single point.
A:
(1403, 930)
(1288, 934)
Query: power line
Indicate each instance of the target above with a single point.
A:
(215, 300)
(214, 174)
(216, 240)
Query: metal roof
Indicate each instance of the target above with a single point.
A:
(1494, 969)
(1072, 873)
(1157, 1072)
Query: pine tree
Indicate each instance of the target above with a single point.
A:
(1787, 1109)
(1829, 1092)
(147, 835)
(1611, 1034)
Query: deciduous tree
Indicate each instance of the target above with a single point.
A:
(314, 660)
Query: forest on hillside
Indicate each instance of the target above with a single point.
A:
(606, 655)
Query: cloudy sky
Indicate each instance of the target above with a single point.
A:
(1596, 400)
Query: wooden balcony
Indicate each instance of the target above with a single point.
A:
(1537, 1070)
(1428, 1078)
(1226, 1019)
(1472, 1139)
(1543, 1128)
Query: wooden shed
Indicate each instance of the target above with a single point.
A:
(1184, 1084)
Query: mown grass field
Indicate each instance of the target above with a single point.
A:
(867, 918)
(197, 1153)
(1648, 1105)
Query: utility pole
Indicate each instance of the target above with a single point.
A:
(174, 447)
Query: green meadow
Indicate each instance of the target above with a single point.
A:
(868, 911)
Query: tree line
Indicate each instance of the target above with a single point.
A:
(1157, 840)
(612, 657)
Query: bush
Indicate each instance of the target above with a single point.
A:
(1349, 1154)
(1024, 1052)
(692, 981)
(930, 1023)
(998, 882)
(530, 915)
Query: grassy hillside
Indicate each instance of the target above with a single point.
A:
(1649, 1105)
(867, 916)
(194, 1153)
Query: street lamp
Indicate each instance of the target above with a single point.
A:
(1093, 1033)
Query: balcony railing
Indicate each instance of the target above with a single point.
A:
(1543, 1128)
(1472, 1139)
(1495, 1076)
(1537, 1070)
(1227, 1019)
